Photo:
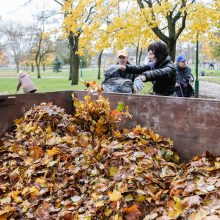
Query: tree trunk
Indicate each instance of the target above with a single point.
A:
(27, 67)
(32, 67)
(74, 59)
(38, 71)
(99, 64)
(38, 67)
(17, 67)
(71, 46)
(137, 52)
(139, 57)
(75, 74)
(172, 48)
(71, 64)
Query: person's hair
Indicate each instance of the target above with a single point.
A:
(159, 49)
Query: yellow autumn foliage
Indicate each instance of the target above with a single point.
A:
(102, 24)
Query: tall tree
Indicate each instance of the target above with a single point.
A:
(18, 41)
(81, 20)
(42, 47)
(43, 44)
(167, 19)
(171, 13)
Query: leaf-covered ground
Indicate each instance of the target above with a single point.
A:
(86, 166)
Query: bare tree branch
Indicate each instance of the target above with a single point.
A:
(58, 2)
(182, 27)
(174, 8)
(156, 30)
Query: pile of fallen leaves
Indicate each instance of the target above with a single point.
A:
(86, 166)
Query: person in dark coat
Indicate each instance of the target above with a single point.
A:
(184, 78)
(116, 79)
(160, 70)
(114, 70)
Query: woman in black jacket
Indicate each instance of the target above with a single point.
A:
(160, 70)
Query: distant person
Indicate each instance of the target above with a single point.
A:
(160, 70)
(117, 80)
(211, 65)
(25, 81)
(184, 78)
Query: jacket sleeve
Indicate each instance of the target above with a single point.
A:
(190, 75)
(167, 72)
(137, 69)
(110, 72)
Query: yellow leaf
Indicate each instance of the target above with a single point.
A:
(42, 181)
(108, 212)
(53, 151)
(217, 165)
(18, 121)
(34, 191)
(29, 127)
(25, 206)
(48, 129)
(174, 214)
(99, 204)
(141, 198)
(117, 217)
(67, 139)
(115, 195)
(113, 171)
(128, 198)
(25, 190)
(6, 210)
(16, 198)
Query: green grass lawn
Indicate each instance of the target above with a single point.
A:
(50, 73)
(51, 81)
(208, 72)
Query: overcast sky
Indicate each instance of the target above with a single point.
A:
(22, 11)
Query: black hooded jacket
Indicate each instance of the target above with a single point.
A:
(163, 75)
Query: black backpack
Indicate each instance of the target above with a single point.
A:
(118, 84)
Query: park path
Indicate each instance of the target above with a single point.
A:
(209, 89)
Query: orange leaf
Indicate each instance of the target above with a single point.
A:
(170, 204)
(71, 128)
(36, 152)
(133, 208)
(132, 212)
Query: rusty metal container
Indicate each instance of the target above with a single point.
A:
(193, 124)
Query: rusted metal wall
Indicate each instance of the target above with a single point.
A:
(14, 106)
(193, 124)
